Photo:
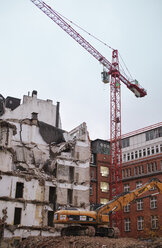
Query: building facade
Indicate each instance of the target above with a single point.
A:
(141, 161)
(42, 167)
(99, 172)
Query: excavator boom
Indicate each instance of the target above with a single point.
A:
(100, 217)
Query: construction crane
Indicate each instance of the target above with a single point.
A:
(112, 69)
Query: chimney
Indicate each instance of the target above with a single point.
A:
(57, 114)
(34, 93)
(34, 116)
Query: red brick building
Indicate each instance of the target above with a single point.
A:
(99, 172)
(141, 161)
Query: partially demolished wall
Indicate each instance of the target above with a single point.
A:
(42, 168)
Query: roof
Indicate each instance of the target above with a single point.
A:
(142, 130)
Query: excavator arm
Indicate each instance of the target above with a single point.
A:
(127, 197)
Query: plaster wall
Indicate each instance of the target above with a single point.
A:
(45, 109)
(5, 161)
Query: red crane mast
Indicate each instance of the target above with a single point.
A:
(115, 95)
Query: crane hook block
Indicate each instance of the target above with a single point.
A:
(105, 77)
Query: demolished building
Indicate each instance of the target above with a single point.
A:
(42, 167)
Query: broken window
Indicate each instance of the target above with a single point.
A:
(19, 190)
(69, 196)
(52, 194)
(71, 173)
(50, 218)
(17, 216)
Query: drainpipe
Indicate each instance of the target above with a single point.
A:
(57, 114)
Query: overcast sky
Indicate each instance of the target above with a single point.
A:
(36, 54)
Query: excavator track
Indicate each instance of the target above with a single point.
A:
(90, 231)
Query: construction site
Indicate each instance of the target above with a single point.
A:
(63, 188)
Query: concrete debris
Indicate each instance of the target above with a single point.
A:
(81, 242)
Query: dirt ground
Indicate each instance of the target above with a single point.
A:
(88, 242)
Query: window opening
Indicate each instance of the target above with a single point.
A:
(71, 173)
(50, 218)
(52, 194)
(69, 196)
(19, 190)
(17, 216)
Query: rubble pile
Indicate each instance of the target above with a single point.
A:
(88, 242)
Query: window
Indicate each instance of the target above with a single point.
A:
(138, 184)
(140, 222)
(129, 172)
(104, 187)
(127, 224)
(127, 208)
(152, 167)
(153, 202)
(144, 152)
(92, 174)
(148, 168)
(140, 204)
(140, 153)
(152, 150)
(153, 134)
(126, 187)
(135, 171)
(103, 200)
(91, 189)
(157, 149)
(132, 155)
(148, 151)
(126, 172)
(71, 173)
(124, 158)
(125, 142)
(52, 194)
(160, 147)
(155, 166)
(17, 216)
(153, 188)
(136, 154)
(69, 196)
(19, 190)
(154, 222)
(93, 159)
(50, 218)
(104, 171)
(128, 156)
(142, 169)
(123, 173)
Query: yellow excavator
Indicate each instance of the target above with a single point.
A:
(91, 223)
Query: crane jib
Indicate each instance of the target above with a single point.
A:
(53, 15)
